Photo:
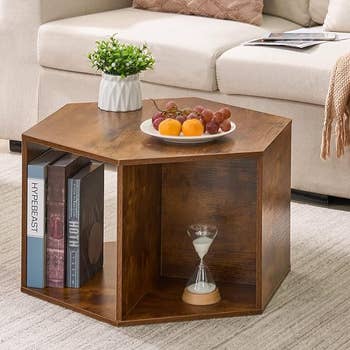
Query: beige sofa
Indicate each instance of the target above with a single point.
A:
(45, 49)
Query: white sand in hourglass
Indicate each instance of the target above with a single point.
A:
(201, 246)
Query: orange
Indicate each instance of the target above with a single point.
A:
(170, 127)
(192, 127)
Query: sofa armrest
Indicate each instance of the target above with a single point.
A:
(19, 71)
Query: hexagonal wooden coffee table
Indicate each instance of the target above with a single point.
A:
(240, 183)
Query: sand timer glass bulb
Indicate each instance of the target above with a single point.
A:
(201, 288)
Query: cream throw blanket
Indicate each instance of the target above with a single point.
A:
(338, 109)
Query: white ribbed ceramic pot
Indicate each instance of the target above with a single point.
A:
(119, 94)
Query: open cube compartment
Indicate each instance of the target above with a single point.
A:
(96, 298)
(159, 202)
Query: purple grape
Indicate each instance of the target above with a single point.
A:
(199, 109)
(218, 118)
(157, 122)
(171, 105)
(181, 118)
(225, 125)
(226, 112)
(212, 128)
(207, 115)
(157, 115)
(194, 116)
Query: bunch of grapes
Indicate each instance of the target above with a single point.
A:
(213, 122)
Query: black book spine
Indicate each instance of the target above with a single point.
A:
(73, 239)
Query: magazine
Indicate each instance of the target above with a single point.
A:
(326, 36)
(296, 44)
(299, 39)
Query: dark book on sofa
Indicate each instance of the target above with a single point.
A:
(36, 218)
(58, 174)
(85, 224)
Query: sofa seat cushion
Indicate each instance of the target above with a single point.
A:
(185, 47)
(295, 75)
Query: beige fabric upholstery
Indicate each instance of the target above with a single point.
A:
(56, 9)
(294, 10)
(248, 11)
(185, 47)
(19, 71)
(309, 173)
(293, 75)
(318, 10)
(338, 16)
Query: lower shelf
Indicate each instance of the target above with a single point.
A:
(165, 304)
(97, 298)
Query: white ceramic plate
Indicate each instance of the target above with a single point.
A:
(147, 128)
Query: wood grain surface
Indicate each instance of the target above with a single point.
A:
(218, 192)
(97, 298)
(276, 183)
(116, 137)
(138, 233)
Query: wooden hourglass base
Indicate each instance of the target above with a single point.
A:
(201, 299)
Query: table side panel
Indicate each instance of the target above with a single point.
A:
(276, 192)
(140, 253)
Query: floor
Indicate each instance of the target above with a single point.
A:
(311, 310)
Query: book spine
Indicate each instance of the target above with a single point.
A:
(73, 239)
(36, 247)
(56, 218)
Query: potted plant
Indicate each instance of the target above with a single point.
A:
(120, 64)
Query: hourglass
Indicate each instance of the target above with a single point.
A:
(201, 288)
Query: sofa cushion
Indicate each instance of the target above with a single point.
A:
(286, 74)
(185, 47)
(318, 10)
(248, 11)
(294, 10)
(338, 16)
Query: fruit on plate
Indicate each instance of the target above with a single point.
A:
(198, 109)
(181, 118)
(225, 125)
(194, 116)
(207, 115)
(212, 128)
(190, 121)
(226, 112)
(170, 127)
(192, 127)
(157, 115)
(171, 106)
(218, 118)
(156, 122)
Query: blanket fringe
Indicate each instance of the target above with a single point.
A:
(337, 109)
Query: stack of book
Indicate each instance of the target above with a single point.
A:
(64, 220)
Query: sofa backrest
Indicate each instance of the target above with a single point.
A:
(294, 10)
(318, 10)
(58, 9)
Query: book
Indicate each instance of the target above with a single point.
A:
(36, 218)
(57, 180)
(85, 224)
